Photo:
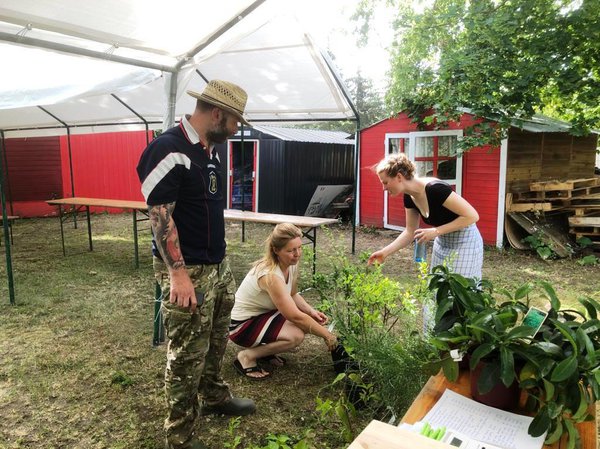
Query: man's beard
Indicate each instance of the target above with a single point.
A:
(220, 134)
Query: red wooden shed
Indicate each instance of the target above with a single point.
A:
(538, 149)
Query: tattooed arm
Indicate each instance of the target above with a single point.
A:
(167, 241)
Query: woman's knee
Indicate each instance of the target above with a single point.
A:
(296, 337)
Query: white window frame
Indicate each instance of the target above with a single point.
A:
(412, 140)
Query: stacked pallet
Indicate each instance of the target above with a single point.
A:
(580, 198)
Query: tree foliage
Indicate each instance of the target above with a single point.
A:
(502, 59)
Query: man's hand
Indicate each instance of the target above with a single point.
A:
(182, 290)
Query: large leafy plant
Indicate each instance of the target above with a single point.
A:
(558, 366)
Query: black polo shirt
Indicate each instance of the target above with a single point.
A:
(173, 169)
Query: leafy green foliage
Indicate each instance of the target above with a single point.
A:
(543, 249)
(121, 379)
(374, 318)
(503, 60)
(560, 363)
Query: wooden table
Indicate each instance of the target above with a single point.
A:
(77, 204)
(436, 385)
(378, 435)
(308, 225)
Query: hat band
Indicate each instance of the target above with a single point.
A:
(224, 104)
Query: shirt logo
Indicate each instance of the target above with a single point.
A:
(212, 182)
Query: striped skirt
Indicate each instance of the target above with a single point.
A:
(258, 330)
(461, 251)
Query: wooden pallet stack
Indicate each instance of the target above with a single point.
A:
(580, 198)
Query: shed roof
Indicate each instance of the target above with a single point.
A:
(306, 135)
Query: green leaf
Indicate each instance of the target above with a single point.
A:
(479, 352)
(554, 301)
(523, 291)
(548, 348)
(529, 371)
(564, 369)
(565, 331)
(556, 434)
(549, 390)
(540, 424)
(585, 342)
(444, 306)
(592, 307)
(507, 363)
(450, 368)
(581, 411)
(573, 434)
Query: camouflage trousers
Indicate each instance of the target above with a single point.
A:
(196, 346)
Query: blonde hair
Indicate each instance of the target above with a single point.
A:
(394, 164)
(281, 235)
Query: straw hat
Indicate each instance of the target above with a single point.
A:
(225, 95)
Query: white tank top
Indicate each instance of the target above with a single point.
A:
(251, 300)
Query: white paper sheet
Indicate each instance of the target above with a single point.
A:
(483, 423)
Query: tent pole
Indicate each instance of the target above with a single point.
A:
(7, 242)
(7, 180)
(355, 187)
(68, 146)
(135, 113)
(169, 119)
(242, 181)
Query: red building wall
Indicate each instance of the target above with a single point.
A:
(103, 167)
(481, 174)
(33, 168)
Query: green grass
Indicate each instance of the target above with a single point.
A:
(78, 368)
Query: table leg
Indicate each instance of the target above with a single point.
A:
(89, 223)
(312, 238)
(62, 231)
(243, 231)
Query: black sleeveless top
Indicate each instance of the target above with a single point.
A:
(437, 192)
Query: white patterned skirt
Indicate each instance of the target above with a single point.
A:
(461, 251)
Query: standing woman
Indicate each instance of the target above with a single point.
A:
(456, 237)
(269, 315)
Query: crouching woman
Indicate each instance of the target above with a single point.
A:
(269, 315)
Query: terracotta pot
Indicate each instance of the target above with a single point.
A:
(501, 396)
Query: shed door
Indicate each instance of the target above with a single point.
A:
(393, 207)
(243, 175)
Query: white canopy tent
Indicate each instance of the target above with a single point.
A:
(110, 65)
(59, 54)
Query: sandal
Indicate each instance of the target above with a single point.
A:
(273, 360)
(251, 369)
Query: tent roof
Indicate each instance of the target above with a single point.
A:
(60, 55)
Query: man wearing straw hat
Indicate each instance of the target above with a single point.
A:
(181, 181)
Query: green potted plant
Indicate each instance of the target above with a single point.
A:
(470, 323)
(558, 367)
(563, 378)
